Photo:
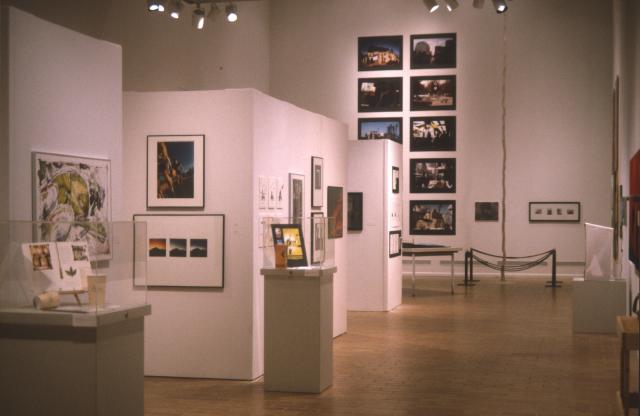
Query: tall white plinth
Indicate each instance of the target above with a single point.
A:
(298, 329)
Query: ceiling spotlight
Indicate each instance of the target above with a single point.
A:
(500, 5)
(175, 7)
(198, 18)
(155, 5)
(232, 12)
(478, 4)
(452, 4)
(432, 5)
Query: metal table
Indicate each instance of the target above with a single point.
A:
(428, 252)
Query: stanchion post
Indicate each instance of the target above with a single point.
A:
(471, 265)
(554, 283)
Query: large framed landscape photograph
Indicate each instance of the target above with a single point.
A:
(433, 175)
(429, 134)
(184, 250)
(432, 93)
(432, 217)
(380, 128)
(379, 94)
(433, 51)
(379, 53)
(175, 171)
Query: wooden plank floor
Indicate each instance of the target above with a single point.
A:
(496, 349)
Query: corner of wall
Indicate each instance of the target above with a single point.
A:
(4, 110)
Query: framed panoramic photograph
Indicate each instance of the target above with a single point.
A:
(433, 51)
(290, 235)
(395, 179)
(394, 243)
(554, 211)
(379, 94)
(334, 211)
(354, 211)
(318, 234)
(176, 243)
(380, 128)
(487, 211)
(296, 198)
(175, 171)
(433, 175)
(433, 93)
(379, 53)
(316, 181)
(73, 188)
(432, 217)
(430, 134)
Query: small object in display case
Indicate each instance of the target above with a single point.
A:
(432, 217)
(334, 211)
(380, 128)
(354, 211)
(554, 211)
(290, 236)
(280, 255)
(430, 134)
(433, 175)
(316, 181)
(394, 243)
(433, 93)
(433, 51)
(379, 53)
(97, 284)
(379, 94)
(487, 211)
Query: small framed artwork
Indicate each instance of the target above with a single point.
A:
(379, 94)
(487, 211)
(184, 242)
(334, 211)
(273, 190)
(554, 211)
(432, 217)
(433, 51)
(354, 211)
(430, 134)
(279, 193)
(380, 128)
(395, 179)
(395, 243)
(263, 192)
(296, 198)
(290, 235)
(379, 53)
(317, 170)
(433, 93)
(318, 234)
(175, 171)
(433, 175)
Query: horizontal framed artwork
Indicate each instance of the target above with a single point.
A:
(554, 211)
(432, 217)
(379, 53)
(380, 128)
(433, 175)
(379, 94)
(432, 134)
(433, 93)
(433, 51)
(487, 211)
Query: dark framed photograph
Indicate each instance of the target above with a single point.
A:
(433, 176)
(554, 211)
(432, 217)
(379, 94)
(634, 210)
(430, 134)
(318, 234)
(334, 211)
(395, 243)
(316, 181)
(380, 128)
(296, 198)
(487, 211)
(395, 179)
(433, 93)
(175, 171)
(379, 53)
(290, 235)
(354, 211)
(433, 51)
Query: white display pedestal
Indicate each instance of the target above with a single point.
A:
(60, 363)
(298, 329)
(596, 303)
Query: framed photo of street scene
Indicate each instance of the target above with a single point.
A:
(430, 134)
(175, 171)
(380, 128)
(432, 217)
(379, 53)
(433, 51)
(433, 175)
(431, 93)
(379, 94)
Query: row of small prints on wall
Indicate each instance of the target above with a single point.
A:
(427, 134)
(428, 93)
(430, 51)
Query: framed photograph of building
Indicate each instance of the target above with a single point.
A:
(290, 235)
(354, 211)
(433, 175)
(432, 217)
(334, 211)
(429, 134)
(433, 51)
(317, 171)
(296, 198)
(379, 53)
(554, 211)
(178, 243)
(395, 179)
(175, 171)
(379, 94)
(395, 243)
(487, 211)
(431, 93)
(318, 234)
(380, 128)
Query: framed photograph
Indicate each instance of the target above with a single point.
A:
(554, 211)
(380, 128)
(395, 179)
(433, 176)
(433, 51)
(279, 193)
(317, 171)
(334, 211)
(273, 191)
(394, 244)
(429, 134)
(175, 171)
(487, 211)
(379, 53)
(179, 243)
(318, 234)
(354, 211)
(432, 217)
(296, 198)
(263, 192)
(379, 94)
(433, 93)
(290, 235)
(73, 188)
(634, 210)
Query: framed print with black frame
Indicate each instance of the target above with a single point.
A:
(175, 171)
(433, 175)
(354, 211)
(379, 94)
(487, 211)
(395, 179)
(317, 172)
(380, 128)
(431, 93)
(296, 198)
(334, 211)
(290, 235)
(433, 51)
(554, 211)
(430, 134)
(432, 217)
(318, 235)
(394, 243)
(377, 53)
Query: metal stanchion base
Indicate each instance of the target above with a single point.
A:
(558, 284)
(470, 284)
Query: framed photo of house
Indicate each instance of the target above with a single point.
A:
(317, 172)
(554, 211)
(433, 93)
(395, 179)
(433, 175)
(318, 235)
(377, 53)
(290, 235)
(379, 94)
(175, 171)
(487, 211)
(380, 128)
(430, 134)
(296, 198)
(354, 211)
(433, 51)
(334, 211)
(432, 217)
(395, 243)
